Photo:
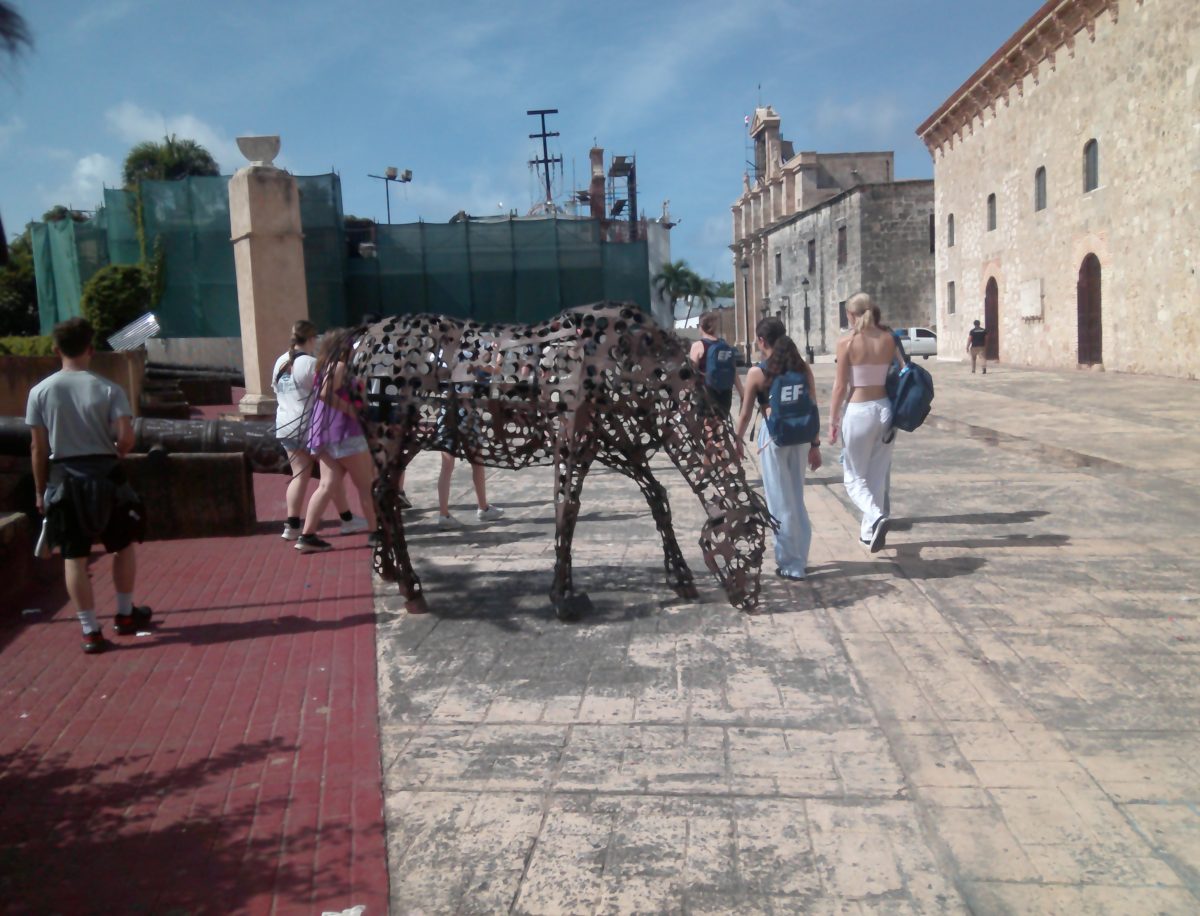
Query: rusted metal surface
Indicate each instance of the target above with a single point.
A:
(254, 440)
(596, 383)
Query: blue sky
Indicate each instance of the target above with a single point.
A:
(442, 89)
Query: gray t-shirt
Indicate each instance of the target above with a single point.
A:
(80, 409)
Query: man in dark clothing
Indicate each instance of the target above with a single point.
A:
(81, 428)
(976, 346)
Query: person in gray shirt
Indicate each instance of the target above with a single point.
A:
(81, 427)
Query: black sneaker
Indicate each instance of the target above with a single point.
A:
(786, 575)
(375, 538)
(403, 501)
(879, 533)
(310, 543)
(128, 624)
(94, 642)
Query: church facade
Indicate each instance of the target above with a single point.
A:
(1066, 192)
(811, 229)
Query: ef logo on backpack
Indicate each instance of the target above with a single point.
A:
(719, 367)
(794, 418)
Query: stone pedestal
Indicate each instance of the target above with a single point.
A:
(264, 216)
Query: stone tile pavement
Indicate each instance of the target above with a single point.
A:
(997, 714)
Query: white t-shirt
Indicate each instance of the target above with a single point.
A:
(292, 391)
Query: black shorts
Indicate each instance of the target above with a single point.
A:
(92, 501)
(716, 403)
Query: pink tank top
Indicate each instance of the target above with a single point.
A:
(869, 376)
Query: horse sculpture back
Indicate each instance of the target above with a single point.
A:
(595, 383)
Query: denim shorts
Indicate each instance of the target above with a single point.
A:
(293, 444)
(355, 445)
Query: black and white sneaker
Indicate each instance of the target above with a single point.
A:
(879, 533)
(310, 543)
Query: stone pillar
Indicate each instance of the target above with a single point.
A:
(268, 253)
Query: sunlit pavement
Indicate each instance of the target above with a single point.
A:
(997, 713)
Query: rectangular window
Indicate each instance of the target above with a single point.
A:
(950, 231)
(778, 268)
(843, 321)
(991, 212)
(812, 255)
(841, 245)
(950, 298)
(932, 233)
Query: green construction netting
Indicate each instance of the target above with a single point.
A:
(508, 270)
(504, 270)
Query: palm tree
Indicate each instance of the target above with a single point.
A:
(676, 280)
(14, 33)
(706, 291)
(167, 161)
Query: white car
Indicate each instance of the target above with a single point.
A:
(918, 341)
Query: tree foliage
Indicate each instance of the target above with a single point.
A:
(18, 290)
(169, 160)
(14, 33)
(58, 213)
(115, 296)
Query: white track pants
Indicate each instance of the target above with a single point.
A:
(867, 461)
(783, 480)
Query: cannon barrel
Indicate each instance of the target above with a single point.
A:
(255, 440)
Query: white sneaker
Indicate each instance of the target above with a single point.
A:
(355, 525)
(490, 514)
(290, 533)
(448, 522)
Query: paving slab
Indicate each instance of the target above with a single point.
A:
(998, 713)
(226, 762)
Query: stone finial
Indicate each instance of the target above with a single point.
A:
(260, 150)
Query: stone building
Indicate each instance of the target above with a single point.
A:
(819, 227)
(1066, 173)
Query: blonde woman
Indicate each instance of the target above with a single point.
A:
(863, 358)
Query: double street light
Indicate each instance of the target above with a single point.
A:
(390, 174)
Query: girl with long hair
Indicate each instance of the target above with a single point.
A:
(863, 358)
(292, 381)
(336, 438)
(782, 465)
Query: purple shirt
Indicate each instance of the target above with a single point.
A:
(330, 425)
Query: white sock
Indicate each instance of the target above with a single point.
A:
(87, 620)
(124, 603)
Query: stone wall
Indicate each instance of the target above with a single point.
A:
(887, 255)
(1136, 90)
(898, 270)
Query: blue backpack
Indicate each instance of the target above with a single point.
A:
(719, 366)
(911, 392)
(794, 418)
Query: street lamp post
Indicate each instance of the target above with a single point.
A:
(808, 350)
(390, 174)
(746, 307)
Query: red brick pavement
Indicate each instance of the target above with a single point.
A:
(227, 763)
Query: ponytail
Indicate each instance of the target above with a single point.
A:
(867, 311)
(785, 355)
(302, 332)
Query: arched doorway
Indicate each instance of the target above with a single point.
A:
(991, 318)
(1087, 297)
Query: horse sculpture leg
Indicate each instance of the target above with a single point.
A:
(572, 468)
(679, 575)
(391, 558)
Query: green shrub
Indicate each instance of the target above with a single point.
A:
(116, 295)
(27, 346)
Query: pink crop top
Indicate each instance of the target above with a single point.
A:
(869, 376)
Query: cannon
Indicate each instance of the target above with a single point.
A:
(156, 437)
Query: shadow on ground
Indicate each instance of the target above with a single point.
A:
(110, 829)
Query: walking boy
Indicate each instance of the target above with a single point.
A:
(81, 428)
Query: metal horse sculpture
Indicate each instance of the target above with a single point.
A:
(596, 383)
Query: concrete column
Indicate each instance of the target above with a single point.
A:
(268, 254)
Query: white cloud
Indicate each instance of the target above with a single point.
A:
(134, 124)
(85, 188)
(101, 14)
(9, 129)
